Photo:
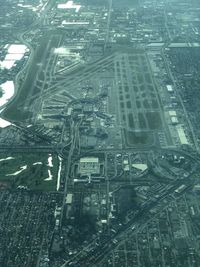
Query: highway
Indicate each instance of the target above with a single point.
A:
(167, 67)
(97, 250)
(73, 145)
(97, 253)
(108, 23)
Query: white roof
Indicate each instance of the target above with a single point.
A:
(181, 134)
(169, 88)
(69, 5)
(172, 113)
(89, 159)
(69, 199)
(174, 119)
(140, 166)
(17, 49)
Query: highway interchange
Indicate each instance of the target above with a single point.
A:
(117, 101)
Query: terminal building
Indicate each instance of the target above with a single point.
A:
(88, 166)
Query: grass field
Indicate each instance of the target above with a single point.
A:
(34, 175)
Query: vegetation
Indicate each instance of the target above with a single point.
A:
(28, 91)
(33, 177)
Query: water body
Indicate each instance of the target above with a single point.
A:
(8, 89)
(15, 52)
(50, 178)
(50, 160)
(18, 172)
(8, 158)
(50, 165)
(59, 173)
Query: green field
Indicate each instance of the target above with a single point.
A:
(34, 175)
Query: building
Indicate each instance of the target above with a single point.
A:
(69, 199)
(69, 5)
(170, 88)
(173, 116)
(182, 135)
(89, 165)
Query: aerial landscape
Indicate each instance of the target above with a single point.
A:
(99, 133)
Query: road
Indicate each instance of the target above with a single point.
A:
(174, 82)
(108, 23)
(142, 217)
(74, 145)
